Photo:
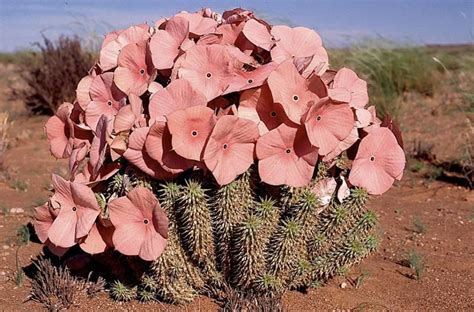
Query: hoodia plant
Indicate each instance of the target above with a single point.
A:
(223, 155)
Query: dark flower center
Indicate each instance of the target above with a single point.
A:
(142, 71)
(295, 98)
(225, 146)
(146, 221)
(74, 208)
(318, 118)
(288, 151)
(273, 114)
(194, 133)
(208, 75)
(372, 158)
(250, 81)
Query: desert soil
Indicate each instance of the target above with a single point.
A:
(442, 212)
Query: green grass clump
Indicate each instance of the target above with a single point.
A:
(416, 263)
(390, 71)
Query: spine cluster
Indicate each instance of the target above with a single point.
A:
(258, 244)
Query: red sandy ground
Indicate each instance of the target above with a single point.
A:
(446, 211)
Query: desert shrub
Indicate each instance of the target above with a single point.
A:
(52, 73)
(391, 70)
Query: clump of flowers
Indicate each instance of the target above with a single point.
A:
(195, 140)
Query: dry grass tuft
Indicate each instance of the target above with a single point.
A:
(54, 287)
(5, 125)
(237, 301)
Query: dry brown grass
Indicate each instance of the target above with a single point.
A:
(4, 127)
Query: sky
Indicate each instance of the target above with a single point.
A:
(22, 22)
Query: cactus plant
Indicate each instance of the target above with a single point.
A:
(225, 154)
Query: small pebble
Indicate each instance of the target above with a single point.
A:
(17, 210)
(5, 247)
(343, 285)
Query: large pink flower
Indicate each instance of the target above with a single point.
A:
(258, 34)
(57, 130)
(243, 80)
(179, 94)
(135, 69)
(257, 105)
(158, 146)
(141, 226)
(286, 157)
(293, 92)
(98, 240)
(43, 219)
(190, 129)
(349, 88)
(230, 148)
(78, 211)
(115, 41)
(106, 99)
(199, 25)
(137, 155)
(128, 115)
(379, 161)
(298, 42)
(99, 147)
(343, 145)
(328, 124)
(207, 68)
(83, 96)
(165, 45)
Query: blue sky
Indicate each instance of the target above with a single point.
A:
(338, 22)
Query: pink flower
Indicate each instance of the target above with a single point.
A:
(158, 147)
(298, 42)
(258, 34)
(286, 157)
(135, 69)
(343, 145)
(106, 99)
(293, 92)
(379, 161)
(243, 80)
(207, 68)
(99, 147)
(324, 190)
(98, 239)
(229, 151)
(389, 123)
(257, 105)
(57, 130)
(141, 226)
(43, 219)
(137, 155)
(82, 92)
(115, 41)
(349, 88)
(128, 115)
(328, 124)
(198, 24)
(165, 45)
(179, 94)
(190, 129)
(78, 212)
